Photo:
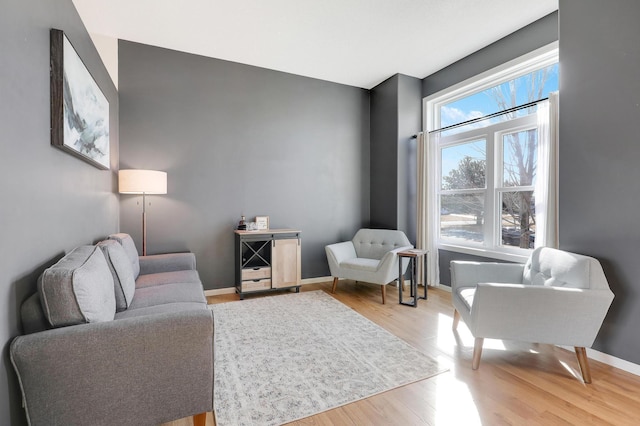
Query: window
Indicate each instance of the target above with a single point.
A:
(484, 137)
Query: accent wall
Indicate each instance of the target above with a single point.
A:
(51, 201)
(240, 140)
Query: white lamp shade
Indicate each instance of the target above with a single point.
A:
(142, 182)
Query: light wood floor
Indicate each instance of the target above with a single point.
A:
(516, 383)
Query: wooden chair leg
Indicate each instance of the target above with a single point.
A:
(477, 353)
(335, 284)
(200, 419)
(583, 362)
(384, 294)
(456, 319)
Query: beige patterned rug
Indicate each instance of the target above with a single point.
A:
(282, 358)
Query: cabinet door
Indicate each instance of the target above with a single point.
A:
(285, 263)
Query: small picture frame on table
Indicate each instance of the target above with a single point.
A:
(262, 223)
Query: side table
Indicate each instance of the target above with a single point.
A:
(413, 255)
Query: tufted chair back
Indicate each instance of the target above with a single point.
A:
(556, 268)
(375, 243)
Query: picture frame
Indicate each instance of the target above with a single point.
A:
(262, 222)
(79, 109)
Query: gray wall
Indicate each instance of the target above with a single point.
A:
(384, 154)
(396, 115)
(51, 201)
(236, 139)
(599, 152)
(535, 35)
(409, 124)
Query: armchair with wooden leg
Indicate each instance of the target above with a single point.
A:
(370, 257)
(557, 297)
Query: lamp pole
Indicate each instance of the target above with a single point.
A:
(144, 224)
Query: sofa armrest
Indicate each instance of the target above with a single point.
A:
(168, 262)
(145, 370)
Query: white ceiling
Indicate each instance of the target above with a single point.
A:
(354, 42)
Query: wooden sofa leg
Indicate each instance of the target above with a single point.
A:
(200, 419)
(335, 284)
(477, 353)
(384, 294)
(456, 319)
(583, 362)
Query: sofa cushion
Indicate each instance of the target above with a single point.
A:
(78, 289)
(161, 278)
(130, 248)
(168, 293)
(32, 316)
(166, 308)
(123, 281)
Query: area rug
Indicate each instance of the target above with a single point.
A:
(282, 358)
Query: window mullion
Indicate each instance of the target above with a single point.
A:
(489, 204)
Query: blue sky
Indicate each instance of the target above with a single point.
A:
(479, 105)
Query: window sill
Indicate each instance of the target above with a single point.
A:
(517, 255)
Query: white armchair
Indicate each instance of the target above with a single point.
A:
(371, 256)
(557, 297)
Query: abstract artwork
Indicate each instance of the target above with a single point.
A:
(79, 109)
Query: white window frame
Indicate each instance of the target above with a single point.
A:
(545, 56)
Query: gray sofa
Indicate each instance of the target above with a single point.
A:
(116, 339)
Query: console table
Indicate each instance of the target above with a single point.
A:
(267, 260)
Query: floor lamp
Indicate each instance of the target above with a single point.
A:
(145, 182)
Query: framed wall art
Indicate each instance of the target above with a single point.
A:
(262, 222)
(79, 109)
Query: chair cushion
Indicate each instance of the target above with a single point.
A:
(123, 281)
(130, 248)
(78, 289)
(361, 264)
(467, 294)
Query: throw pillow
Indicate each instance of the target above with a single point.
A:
(78, 289)
(123, 282)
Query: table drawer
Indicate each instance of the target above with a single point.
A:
(256, 273)
(256, 285)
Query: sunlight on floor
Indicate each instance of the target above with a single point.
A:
(453, 394)
(450, 397)
(450, 342)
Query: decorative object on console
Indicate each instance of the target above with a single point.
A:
(262, 223)
(145, 182)
(79, 109)
(242, 225)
